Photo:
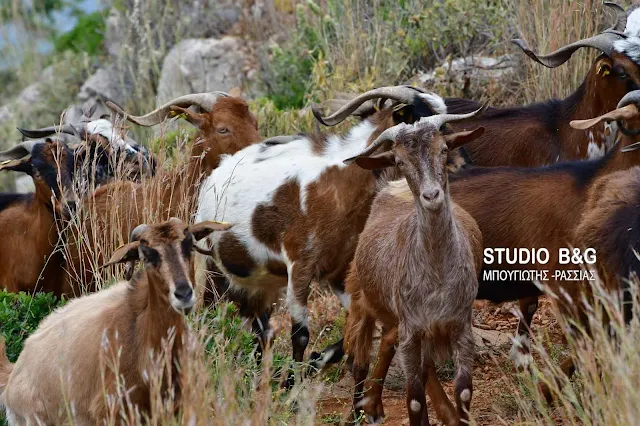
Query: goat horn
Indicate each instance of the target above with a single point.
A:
(206, 101)
(389, 135)
(624, 113)
(621, 16)
(602, 42)
(441, 119)
(137, 231)
(404, 94)
(21, 150)
(51, 130)
(632, 97)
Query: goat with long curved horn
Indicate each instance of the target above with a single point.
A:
(437, 121)
(603, 42)
(205, 101)
(404, 94)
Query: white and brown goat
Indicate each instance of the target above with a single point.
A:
(61, 375)
(416, 270)
(297, 211)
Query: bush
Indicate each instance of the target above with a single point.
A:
(20, 315)
(86, 36)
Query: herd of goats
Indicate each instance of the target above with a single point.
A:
(394, 216)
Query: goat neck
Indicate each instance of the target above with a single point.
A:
(152, 313)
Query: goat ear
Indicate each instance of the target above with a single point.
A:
(458, 139)
(375, 162)
(203, 229)
(125, 253)
(603, 66)
(192, 117)
(21, 165)
(402, 113)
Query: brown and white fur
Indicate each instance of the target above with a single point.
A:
(62, 363)
(415, 270)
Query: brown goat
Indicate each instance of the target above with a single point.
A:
(539, 134)
(533, 208)
(64, 361)
(610, 226)
(29, 221)
(416, 269)
(225, 127)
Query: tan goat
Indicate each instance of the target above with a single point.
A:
(415, 270)
(62, 363)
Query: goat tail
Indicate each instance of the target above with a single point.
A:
(6, 367)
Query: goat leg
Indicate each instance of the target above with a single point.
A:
(387, 350)
(411, 352)
(297, 295)
(520, 352)
(463, 357)
(358, 340)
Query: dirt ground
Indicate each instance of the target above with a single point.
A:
(493, 402)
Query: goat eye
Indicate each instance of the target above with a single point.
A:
(187, 246)
(445, 150)
(151, 256)
(223, 130)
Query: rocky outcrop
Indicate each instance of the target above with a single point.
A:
(202, 65)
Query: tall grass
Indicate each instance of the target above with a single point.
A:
(605, 390)
(548, 25)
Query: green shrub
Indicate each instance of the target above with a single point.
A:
(86, 36)
(20, 315)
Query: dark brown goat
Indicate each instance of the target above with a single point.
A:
(611, 226)
(539, 134)
(225, 126)
(416, 269)
(28, 221)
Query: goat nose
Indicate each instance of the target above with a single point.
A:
(183, 292)
(431, 194)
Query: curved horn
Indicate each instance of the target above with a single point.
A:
(137, 231)
(602, 42)
(630, 98)
(51, 130)
(404, 94)
(203, 100)
(21, 150)
(626, 112)
(439, 120)
(389, 135)
(621, 16)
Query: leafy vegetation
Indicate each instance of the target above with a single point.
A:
(20, 315)
(86, 36)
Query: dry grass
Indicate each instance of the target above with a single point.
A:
(548, 25)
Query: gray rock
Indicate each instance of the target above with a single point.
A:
(201, 65)
(106, 83)
(480, 68)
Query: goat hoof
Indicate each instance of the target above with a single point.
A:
(314, 366)
(291, 380)
(377, 420)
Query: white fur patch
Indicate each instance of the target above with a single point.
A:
(631, 45)
(415, 406)
(252, 176)
(519, 352)
(465, 395)
(344, 298)
(595, 150)
(435, 101)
